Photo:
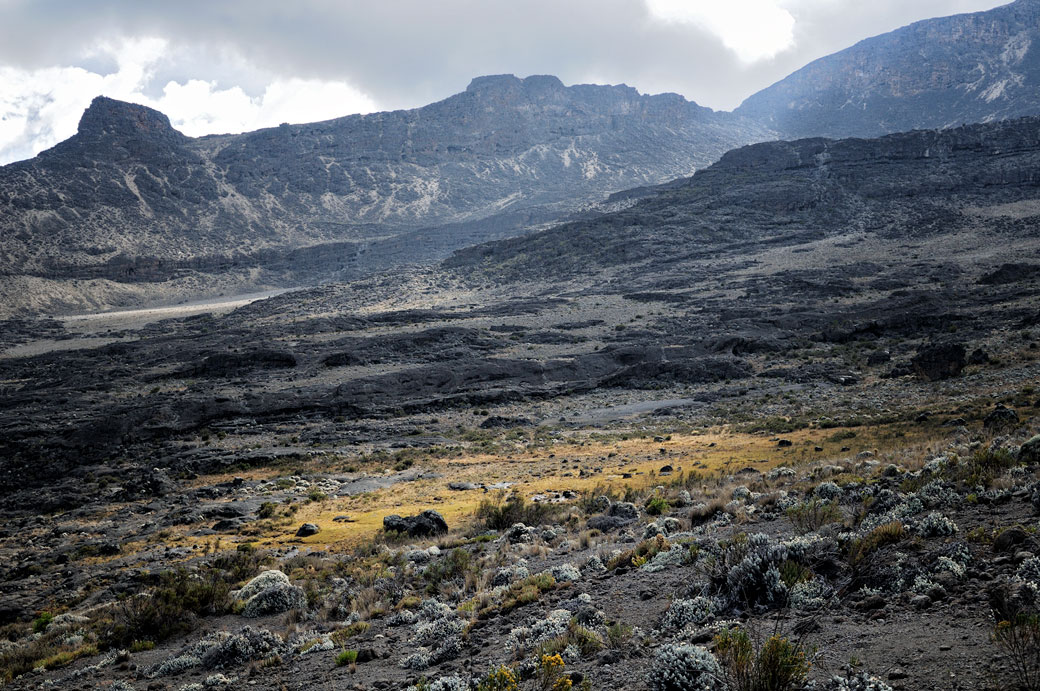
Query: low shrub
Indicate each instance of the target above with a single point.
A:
(886, 534)
(656, 506)
(346, 657)
(684, 668)
(500, 679)
(778, 665)
(41, 622)
(1019, 636)
(166, 610)
(496, 514)
(982, 468)
(813, 514)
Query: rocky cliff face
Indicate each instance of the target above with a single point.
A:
(936, 73)
(130, 198)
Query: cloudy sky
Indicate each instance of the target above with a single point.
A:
(237, 65)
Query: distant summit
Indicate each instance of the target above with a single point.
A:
(507, 82)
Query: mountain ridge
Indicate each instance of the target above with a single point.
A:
(788, 192)
(130, 198)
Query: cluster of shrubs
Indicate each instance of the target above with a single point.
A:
(438, 634)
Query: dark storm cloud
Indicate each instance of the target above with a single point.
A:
(406, 53)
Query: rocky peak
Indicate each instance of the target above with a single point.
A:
(109, 116)
(114, 130)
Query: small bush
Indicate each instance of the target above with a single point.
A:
(346, 657)
(586, 641)
(644, 552)
(526, 591)
(169, 609)
(41, 622)
(657, 506)
(779, 665)
(494, 514)
(1020, 639)
(684, 668)
(341, 636)
(618, 635)
(813, 514)
(936, 525)
(984, 466)
(550, 673)
(886, 534)
(449, 568)
(500, 679)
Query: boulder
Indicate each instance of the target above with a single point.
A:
(1030, 451)
(1002, 417)
(308, 529)
(519, 532)
(499, 422)
(978, 357)
(879, 357)
(1012, 537)
(262, 582)
(428, 523)
(606, 524)
(939, 361)
(625, 510)
(277, 599)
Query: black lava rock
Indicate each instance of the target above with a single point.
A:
(429, 522)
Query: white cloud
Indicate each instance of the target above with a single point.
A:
(41, 107)
(753, 29)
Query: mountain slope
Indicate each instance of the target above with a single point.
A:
(935, 73)
(129, 198)
(902, 186)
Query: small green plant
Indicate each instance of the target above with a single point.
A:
(451, 567)
(657, 506)
(618, 635)
(41, 622)
(550, 674)
(341, 636)
(346, 657)
(587, 641)
(525, 592)
(644, 552)
(792, 573)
